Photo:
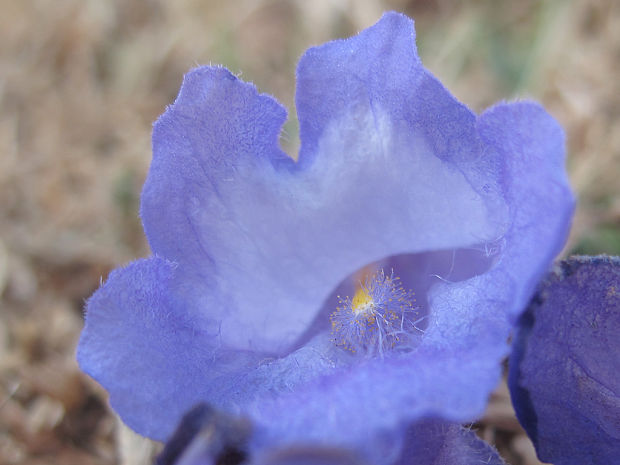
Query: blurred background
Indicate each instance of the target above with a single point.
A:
(81, 82)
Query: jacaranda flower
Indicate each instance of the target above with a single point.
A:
(341, 296)
(564, 367)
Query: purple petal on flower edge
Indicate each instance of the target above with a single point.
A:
(205, 435)
(564, 367)
(427, 442)
(155, 362)
(436, 442)
(216, 162)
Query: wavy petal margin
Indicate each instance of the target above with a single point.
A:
(249, 245)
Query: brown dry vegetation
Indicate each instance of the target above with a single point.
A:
(81, 82)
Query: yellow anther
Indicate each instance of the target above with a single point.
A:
(361, 301)
(379, 316)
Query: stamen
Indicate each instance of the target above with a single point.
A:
(380, 317)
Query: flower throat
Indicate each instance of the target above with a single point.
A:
(380, 317)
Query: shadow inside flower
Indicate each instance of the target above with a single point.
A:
(416, 274)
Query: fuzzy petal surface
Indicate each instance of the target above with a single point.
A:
(261, 241)
(155, 361)
(436, 442)
(250, 246)
(564, 367)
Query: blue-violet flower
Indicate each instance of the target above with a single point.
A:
(564, 366)
(272, 290)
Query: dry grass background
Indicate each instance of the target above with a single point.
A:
(81, 82)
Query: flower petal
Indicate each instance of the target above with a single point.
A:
(262, 242)
(530, 144)
(393, 142)
(152, 358)
(377, 70)
(564, 366)
(205, 435)
(435, 442)
(208, 203)
(527, 145)
(352, 406)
